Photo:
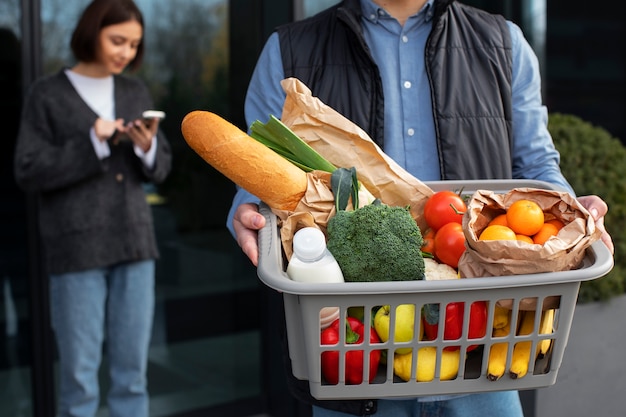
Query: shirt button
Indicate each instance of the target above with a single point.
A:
(119, 177)
(407, 84)
(410, 132)
(405, 38)
(372, 16)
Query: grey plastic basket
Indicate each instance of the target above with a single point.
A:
(303, 302)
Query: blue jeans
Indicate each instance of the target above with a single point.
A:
(115, 304)
(496, 404)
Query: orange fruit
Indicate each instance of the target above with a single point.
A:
(547, 230)
(524, 238)
(497, 232)
(558, 223)
(499, 219)
(525, 217)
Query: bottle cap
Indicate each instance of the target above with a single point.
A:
(309, 243)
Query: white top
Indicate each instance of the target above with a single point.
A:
(96, 92)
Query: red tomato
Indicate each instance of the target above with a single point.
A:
(450, 244)
(444, 207)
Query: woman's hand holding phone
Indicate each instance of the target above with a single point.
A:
(139, 131)
(143, 130)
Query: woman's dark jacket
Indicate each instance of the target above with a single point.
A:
(468, 51)
(92, 213)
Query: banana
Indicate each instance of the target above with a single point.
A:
(426, 360)
(546, 327)
(497, 354)
(501, 317)
(521, 351)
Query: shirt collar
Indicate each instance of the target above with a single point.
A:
(373, 12)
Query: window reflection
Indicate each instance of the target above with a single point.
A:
(306, 8)
(10, 16)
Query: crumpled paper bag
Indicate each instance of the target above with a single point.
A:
(346, 145)
(314, 209)
(562, 252)
(497, 258)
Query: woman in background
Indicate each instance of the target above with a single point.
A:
(86, 153)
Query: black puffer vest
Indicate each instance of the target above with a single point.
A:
(468, 62)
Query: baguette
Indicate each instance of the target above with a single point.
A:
(246, 162)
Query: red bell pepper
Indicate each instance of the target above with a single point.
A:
(453, 329)
(354, 358)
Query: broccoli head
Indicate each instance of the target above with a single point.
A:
(376, 242)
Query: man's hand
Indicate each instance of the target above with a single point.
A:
(247, 221)
(598, 209)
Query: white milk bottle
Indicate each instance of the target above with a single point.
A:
(312, 262)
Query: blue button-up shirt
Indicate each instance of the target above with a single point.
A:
(409, 126)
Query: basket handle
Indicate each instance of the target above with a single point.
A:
(270, 256)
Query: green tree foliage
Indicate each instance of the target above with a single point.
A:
(594, 162)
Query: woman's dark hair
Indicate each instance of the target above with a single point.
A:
(99, 14)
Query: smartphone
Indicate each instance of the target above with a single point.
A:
(150, 115)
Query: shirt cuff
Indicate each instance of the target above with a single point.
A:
(149, 157)
(101, 148)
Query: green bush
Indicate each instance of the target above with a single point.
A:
(594, 162)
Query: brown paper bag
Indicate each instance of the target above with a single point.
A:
(498, 258)
(562, 252)
(314, 209)
(346, 145)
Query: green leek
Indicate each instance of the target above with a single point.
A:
(278, 137)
